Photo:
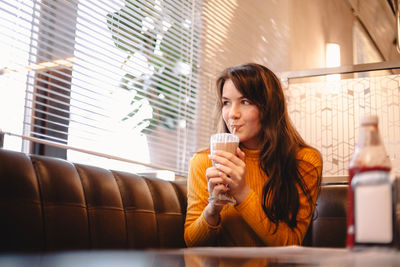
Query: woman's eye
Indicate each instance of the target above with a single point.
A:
(224, 103)
(246, 102)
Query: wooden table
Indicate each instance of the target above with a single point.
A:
(208, 257)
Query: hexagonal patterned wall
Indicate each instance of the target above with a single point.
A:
(327, 115)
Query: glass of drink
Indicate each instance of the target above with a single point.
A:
(229, 143)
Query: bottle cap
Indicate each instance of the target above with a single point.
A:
(369, 119)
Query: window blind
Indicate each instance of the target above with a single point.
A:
(116, 77)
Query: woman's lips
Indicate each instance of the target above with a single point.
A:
(236, 127)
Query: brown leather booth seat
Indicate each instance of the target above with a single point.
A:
(328, 229)
(52, 204)
(49, 204)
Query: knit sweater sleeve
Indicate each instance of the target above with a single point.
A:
(197, 231)
(310, 164)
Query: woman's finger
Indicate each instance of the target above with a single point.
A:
(217, 190)
(224, 178)
(235, 177)
(220, 188)
(240, 154)
(224, 170)
(220, 160)
(216, 185)
(212, 172)
(216, 181)
(233, 173)
(227, 158)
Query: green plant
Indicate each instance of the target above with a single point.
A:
(150, 29)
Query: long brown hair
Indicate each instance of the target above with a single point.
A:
(280, 140)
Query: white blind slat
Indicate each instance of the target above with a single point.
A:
(102, 88)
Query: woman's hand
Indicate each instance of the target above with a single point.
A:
(232, 170)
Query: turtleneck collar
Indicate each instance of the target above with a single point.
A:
(250, 153)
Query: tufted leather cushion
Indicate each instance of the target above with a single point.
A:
(49, 204)
(328, 229)
(52, 204)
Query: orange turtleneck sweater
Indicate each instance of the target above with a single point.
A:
(246, 224)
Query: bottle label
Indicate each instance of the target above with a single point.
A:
(373, 221)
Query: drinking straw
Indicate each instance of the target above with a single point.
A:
(234, 128)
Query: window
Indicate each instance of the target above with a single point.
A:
(15, 35)
(112, 77)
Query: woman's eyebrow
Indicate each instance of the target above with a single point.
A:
(242, 97)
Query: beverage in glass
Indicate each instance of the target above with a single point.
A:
(229, 143)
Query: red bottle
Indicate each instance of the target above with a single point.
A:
(370, 216)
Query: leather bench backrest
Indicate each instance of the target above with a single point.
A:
(52, 204)
(328, 228)
(49, 204)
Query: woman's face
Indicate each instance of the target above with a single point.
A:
(242, 115)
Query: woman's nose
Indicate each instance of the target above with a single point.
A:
(234, 113)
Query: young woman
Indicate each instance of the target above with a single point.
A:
(274, 176)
